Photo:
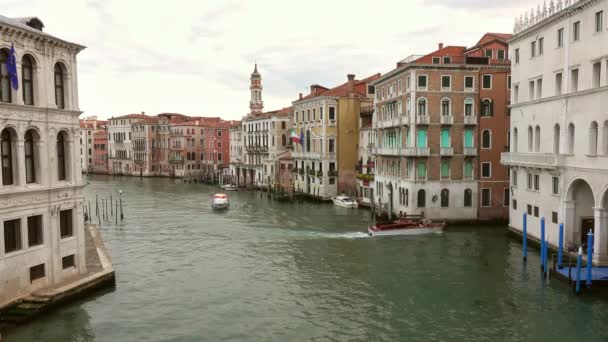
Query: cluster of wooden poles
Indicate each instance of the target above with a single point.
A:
(101, 210)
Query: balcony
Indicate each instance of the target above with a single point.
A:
(388, 151)
(408, 151)
(447, 120)
(423, 119)
(330, 155)
(423, 151)
(446, 151)
(470, 151)
(470, 120)
(538, 160)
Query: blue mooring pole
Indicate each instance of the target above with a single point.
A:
(525, 235)
(542, 244)
(579, 261)
(546, 253)
(560, 249)
(589, 256)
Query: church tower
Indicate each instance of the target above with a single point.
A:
(256, 105)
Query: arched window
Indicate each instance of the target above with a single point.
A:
(487, 108)
(556, 139)
(5, 81)
(59, 86)
(445, 107)
(537, 139)
(408, 107)
(27, 79)
(6, 152)
(307, 141)
(283, 140)
(530, 138)
(468, 198)
(407, 197)
(61, 160)
(421, 203)
(593, 138)
(605, 138)
(30, 157)
(486, 139)
(422, 106)
(571, 138)
(445, 198)
(515, 139)
(468, 107)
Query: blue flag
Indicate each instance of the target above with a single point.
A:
(11, 68)
(302, 137)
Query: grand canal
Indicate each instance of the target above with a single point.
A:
(267, 271)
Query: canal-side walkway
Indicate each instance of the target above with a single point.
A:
(100, 274)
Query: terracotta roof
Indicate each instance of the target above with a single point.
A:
(131, 116)
(490, 37)
(356, 88)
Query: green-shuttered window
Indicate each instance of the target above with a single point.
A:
(468, 169)
(445, 169)
(422, 138)
(408, 142)
(468, 138)
(421, 170)
(445, 137)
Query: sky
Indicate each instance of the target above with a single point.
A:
(195, 57)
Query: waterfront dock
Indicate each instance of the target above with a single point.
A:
(100, 274)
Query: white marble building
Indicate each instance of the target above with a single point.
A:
(559, 122)
(41, 212)
(120, 144)
(236, 152)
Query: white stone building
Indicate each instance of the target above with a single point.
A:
(236, 152)
(88, 126)
(41, 202)
(559, 122)
(366, 164)
(120, 145)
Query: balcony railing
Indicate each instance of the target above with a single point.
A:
(446, 151)
(447, 120)
(388, 151)
(470, 151)
(408, 151)
(470, 120)
(540, 160)
(423, 151)
(423, 119)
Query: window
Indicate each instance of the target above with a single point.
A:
(530, 181)
(487, 108)
(445, 137)
(468, 107)
(219, 144)
(487, 81)
(501, 54)
(531, 90)
(445, 107)
(445, 170)
(597, 72)
(468, 169)
(536, 211)
(12, 235)
(516, 56)
(34, 230)
(331, 146)
(219, 133)
(516, 94)
(422, 107)
(539, 88)
(541, 46)
(332, 113)
(37, 272)
(30, 169)
(468, 138)
(560, 37)
(486, 198)
(445, 198)
(533, 49)
(505, 197)
(6, 146)
(5, 81)
(514, 178)
(514, 204)
(59, 88)
(68, 262)
(468, 82)
(537, 139)
(558, 83)
(509, 82)
(556, 133)
(27, 80)
(436, 60)
(421, 200)
(446, 82)
(489, 53)
(468, 198)
(486, 170)
(554, 217)
(447, 60)
(555, 185)
(537, 182)
(219, 156)
(65, 223)
(486, 139)
(422, 82)
(599, 21)
(61, 160)
(576, 31)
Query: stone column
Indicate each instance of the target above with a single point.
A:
(600, 244)
(20, 158)
(18, 94)
(569, 222)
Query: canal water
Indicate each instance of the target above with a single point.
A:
(267, 271)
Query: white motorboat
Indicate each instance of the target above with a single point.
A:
(229, 187)
(220, 201)
(345, 202)
(406, 227)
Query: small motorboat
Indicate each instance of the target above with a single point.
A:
(220, 201)
(345, 202)
(229, 187)
(406, 227)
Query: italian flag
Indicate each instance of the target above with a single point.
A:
(294, 136)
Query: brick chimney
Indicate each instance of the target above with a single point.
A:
(300, 96)
(351, 77)
(440, 46)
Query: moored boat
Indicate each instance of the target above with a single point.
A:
(345, 202)
(220, 201)
(406, 227)
(229, 187)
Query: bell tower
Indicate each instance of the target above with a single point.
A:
(256, 105)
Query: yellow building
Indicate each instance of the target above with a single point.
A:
(327, 122)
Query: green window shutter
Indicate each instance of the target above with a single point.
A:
(468, 169)
(445, 169)
(408, 143)
(445, 137)
(422, 138)
(421, 170)
(468, 138)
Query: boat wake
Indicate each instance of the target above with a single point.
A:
(347, 235)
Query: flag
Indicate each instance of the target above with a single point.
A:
(11, 68)
(295, 138)
(302, 137)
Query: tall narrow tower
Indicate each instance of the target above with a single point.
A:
(256, 105)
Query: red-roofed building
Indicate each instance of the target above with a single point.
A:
(89, 127)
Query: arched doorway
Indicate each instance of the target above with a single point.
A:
(579, 212)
